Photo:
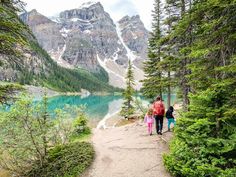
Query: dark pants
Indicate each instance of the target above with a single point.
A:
(159, 123)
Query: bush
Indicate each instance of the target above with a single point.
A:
(80, 128)
(32, 140)
(80, 123)
(64, 161)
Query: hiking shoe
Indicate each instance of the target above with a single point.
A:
(168, 129)
(160, 133)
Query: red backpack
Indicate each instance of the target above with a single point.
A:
(158, 108)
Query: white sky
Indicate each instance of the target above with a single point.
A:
(116, 8)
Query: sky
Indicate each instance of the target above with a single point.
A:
(116, 8)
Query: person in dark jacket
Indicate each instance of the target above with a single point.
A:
(170, 117)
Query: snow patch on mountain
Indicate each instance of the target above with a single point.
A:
(115, 72)
(55, 18)
(138, 73)
(57, 57)
(74, 19)
(129, 54)
(88, 4)
(64, 32)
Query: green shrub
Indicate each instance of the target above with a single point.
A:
(80, 123)
(80, 128)
(64, 161)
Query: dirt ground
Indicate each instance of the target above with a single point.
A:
(129, 151)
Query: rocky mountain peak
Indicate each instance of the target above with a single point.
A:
(34, 18)
(33, 12)
(87, 37)
(91, 4)
(128, 18)
(87, 11)
(134, 35)
(133, 21)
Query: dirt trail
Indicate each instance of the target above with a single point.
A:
(129, 151)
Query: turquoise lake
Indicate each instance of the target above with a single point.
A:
(97, 107)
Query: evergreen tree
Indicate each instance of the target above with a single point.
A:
(168, 48)
(205, 137)
(11, 27)
(152, 84)
(128, 108)
(8, 93)
(160, 68)
(174, 61)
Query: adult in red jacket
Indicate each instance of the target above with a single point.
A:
(158, 112)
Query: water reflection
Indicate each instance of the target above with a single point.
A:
(97, 107)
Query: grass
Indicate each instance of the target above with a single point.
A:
(82, 137)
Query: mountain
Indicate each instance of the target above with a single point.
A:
(23, 60)
(88, 38)
(135, 36)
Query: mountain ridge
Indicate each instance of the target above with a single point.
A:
(87, 37)
(23, 60)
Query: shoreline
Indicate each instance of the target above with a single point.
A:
(111, 120)
(102, 123)
(39, 91)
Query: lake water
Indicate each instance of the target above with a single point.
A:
(97, 107)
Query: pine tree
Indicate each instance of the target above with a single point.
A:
(153, 75)
(128, 108)
(205, 135)
(169, 48)
(175, 61)
(10, 28)
(8, 93)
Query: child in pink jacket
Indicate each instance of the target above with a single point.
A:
(149, 120)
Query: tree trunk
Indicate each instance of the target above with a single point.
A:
(169, 91)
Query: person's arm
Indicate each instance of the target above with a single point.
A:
(172, 115)
(163, 108)
(166, 113)
(145, 118)
(153, 108)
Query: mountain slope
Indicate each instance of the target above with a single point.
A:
(91, 40)
(23, 60)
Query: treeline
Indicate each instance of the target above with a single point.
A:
(64, 79)
(17, 39)
(192, 48)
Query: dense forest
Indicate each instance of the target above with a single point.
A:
(192, 48)
(17, 41)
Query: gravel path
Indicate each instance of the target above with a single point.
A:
(128, 152)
